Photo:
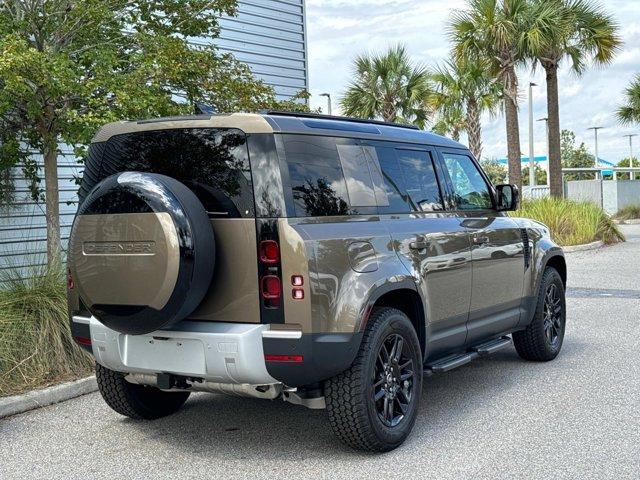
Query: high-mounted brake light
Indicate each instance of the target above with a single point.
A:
(269, 252)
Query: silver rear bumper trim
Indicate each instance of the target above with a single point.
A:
(292, 334)
(217, 352)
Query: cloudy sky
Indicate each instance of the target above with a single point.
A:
(340, 29)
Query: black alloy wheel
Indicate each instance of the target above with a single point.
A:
(393, 381)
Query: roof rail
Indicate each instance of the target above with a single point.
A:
(286, 113)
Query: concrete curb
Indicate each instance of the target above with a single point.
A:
(584, 247)
(633, 221)
(46, 396)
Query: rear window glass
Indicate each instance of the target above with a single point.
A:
(213, 163)
(420, 180)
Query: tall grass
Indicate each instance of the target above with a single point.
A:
(572, 223)
(36, 347)
(630, 212)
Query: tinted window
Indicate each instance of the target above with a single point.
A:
(470, 190)
(392, 182)
(213, 163)
(420, 180)
(316, 177)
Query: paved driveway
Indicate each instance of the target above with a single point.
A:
(575, 418)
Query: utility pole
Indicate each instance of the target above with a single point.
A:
(532, 160)
(546, 129)
(595, 133)
(630, 137)
(328, 95)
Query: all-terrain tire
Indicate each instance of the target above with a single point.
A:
(350, 395)
(533, 343)
(136, 401)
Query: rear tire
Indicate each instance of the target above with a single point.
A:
(542, 339)
(136, 401)
(373, 405)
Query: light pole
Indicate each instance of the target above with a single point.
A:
(546, 129)
(328, 95)
(595, 133)
(532, 170)
(630, 137)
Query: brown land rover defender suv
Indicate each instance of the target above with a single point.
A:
(329, 262)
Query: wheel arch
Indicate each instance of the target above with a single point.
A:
(559, 263)
(404, 297)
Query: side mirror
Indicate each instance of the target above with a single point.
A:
(508, 198)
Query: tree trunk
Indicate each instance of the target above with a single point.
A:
(513, 128)
(474, 129)
(52, 199)
(553, 114)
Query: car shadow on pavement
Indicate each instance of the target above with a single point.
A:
(233, 428)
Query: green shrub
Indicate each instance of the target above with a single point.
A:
(36, 347)
(630, 212)
(572, 223)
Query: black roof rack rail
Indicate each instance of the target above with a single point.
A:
(321, 116)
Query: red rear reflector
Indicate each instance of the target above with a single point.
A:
(271, 288)
(297, 280)
(298, 293)
(70, 284)
(269, 251)
(284, 358)
(83, 341)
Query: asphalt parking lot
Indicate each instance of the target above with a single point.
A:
(575, 418)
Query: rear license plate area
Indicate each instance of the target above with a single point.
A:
(161, 354)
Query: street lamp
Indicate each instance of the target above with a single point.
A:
(328, 95)
(546, 129)
(595, 133)
(630, 137)
(532, 172)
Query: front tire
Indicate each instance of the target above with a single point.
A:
(373, 405)
(136, 401)
(542, 339)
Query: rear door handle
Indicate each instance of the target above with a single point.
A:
(419, 245)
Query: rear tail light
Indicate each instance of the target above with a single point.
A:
(269, 252)
(297, 293)
(271, 290)
(83, 341)
(70, 284)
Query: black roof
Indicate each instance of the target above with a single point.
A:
(331, 125)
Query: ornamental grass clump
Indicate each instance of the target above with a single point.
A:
(36, 346)
(630, 212)
(570, 222)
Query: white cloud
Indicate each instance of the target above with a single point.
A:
(338, 30)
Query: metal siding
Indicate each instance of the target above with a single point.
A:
(268, 35)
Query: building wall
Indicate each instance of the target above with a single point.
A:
(268, 35)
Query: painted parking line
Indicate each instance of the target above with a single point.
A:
(602, 293)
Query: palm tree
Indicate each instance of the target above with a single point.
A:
(388, 87)
(465, 88)
(450, 121)
(580, 31)
(497, 30)
(629, 113)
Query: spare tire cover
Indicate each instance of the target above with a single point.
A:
(141, 252)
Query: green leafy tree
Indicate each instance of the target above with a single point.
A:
(496, 172)
(499, 31)
(541, 175)
(69, 66)
(575, 157)
(388, 86)
(629, 112)
(464, 88)
(625, 162)
(581, 32)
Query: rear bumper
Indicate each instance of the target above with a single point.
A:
(229, 353)
(217, 352)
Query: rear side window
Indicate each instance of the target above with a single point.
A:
(213, 163)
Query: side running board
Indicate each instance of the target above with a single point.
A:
(457, 360)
